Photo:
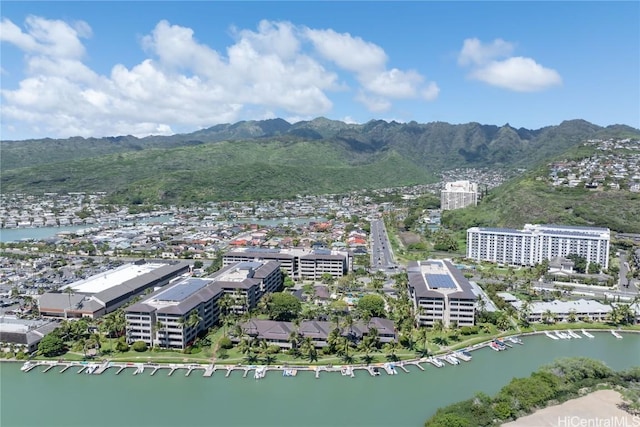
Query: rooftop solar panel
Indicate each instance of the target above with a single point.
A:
(264, 250)
(182, 290)
(248, 265)
(322, 252)
(439, 281)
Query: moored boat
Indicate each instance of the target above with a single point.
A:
(587, 334)
(615, 334)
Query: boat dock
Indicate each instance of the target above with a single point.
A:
(615, 334)
(587, 334)
(259, 371)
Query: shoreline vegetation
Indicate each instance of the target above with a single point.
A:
(558, 383)
(161, 357)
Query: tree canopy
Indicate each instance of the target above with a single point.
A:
(283, 306)
(51, 345)
(372, 305)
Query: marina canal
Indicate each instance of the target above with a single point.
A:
(235, 399)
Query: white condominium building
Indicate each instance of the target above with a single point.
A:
(458, 194)
(536, 243)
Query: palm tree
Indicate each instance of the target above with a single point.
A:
(333, 338)
(194, 320)
(373, 337)
(441, 341)
(69, 292)
(309, 349)
(224, 303)
(348, 323)
(548, 317)
(159, 326)
(390, 349)
(367, 348)
(423, 337)
(343, 348)
(503, 322)
(294, 340)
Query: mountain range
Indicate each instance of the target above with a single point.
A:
(274, 158)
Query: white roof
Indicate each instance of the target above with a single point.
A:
(108, 279)
(579, 306)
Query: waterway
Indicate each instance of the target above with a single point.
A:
(70, 399)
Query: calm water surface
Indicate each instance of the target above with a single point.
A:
(70, 399)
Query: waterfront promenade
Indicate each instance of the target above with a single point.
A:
(259, 371)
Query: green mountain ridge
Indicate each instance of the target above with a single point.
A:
(274, 159)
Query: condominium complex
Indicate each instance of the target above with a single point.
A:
(104, 292)
(536, 243)
(440, 293)
(297, 263)
(458, 194)
(164, 318)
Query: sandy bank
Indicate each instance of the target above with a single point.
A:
(596, 409)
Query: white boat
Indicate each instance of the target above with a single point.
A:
(452, 360)
(26, 366)
(587, 334)
(562, 335)
(463, 355)
(347, 371)
(515, 340)
(615, 334)
(573, 334)
(436, 362)
(260, 372)
(550, 335)
(390, 368)
(289, 372)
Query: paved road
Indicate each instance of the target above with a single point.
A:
(381, 253)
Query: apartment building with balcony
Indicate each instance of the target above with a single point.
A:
(458, 194)
(440, 293)
(162, 319)
(536, 243)
(298, 263)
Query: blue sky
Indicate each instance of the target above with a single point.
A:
(140, 68)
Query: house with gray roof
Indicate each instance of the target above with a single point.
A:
(280, 333)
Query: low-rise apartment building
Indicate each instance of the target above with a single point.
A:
(309, 264)
(563, 311)
(440, 292)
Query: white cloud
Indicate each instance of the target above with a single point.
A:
(47, 37)
(278, 69)
(519, 74)
(515, 73)
(348, 52)
(368, 62)
(474, 52)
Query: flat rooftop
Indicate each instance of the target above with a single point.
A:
(15, 325)
(109, 279)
